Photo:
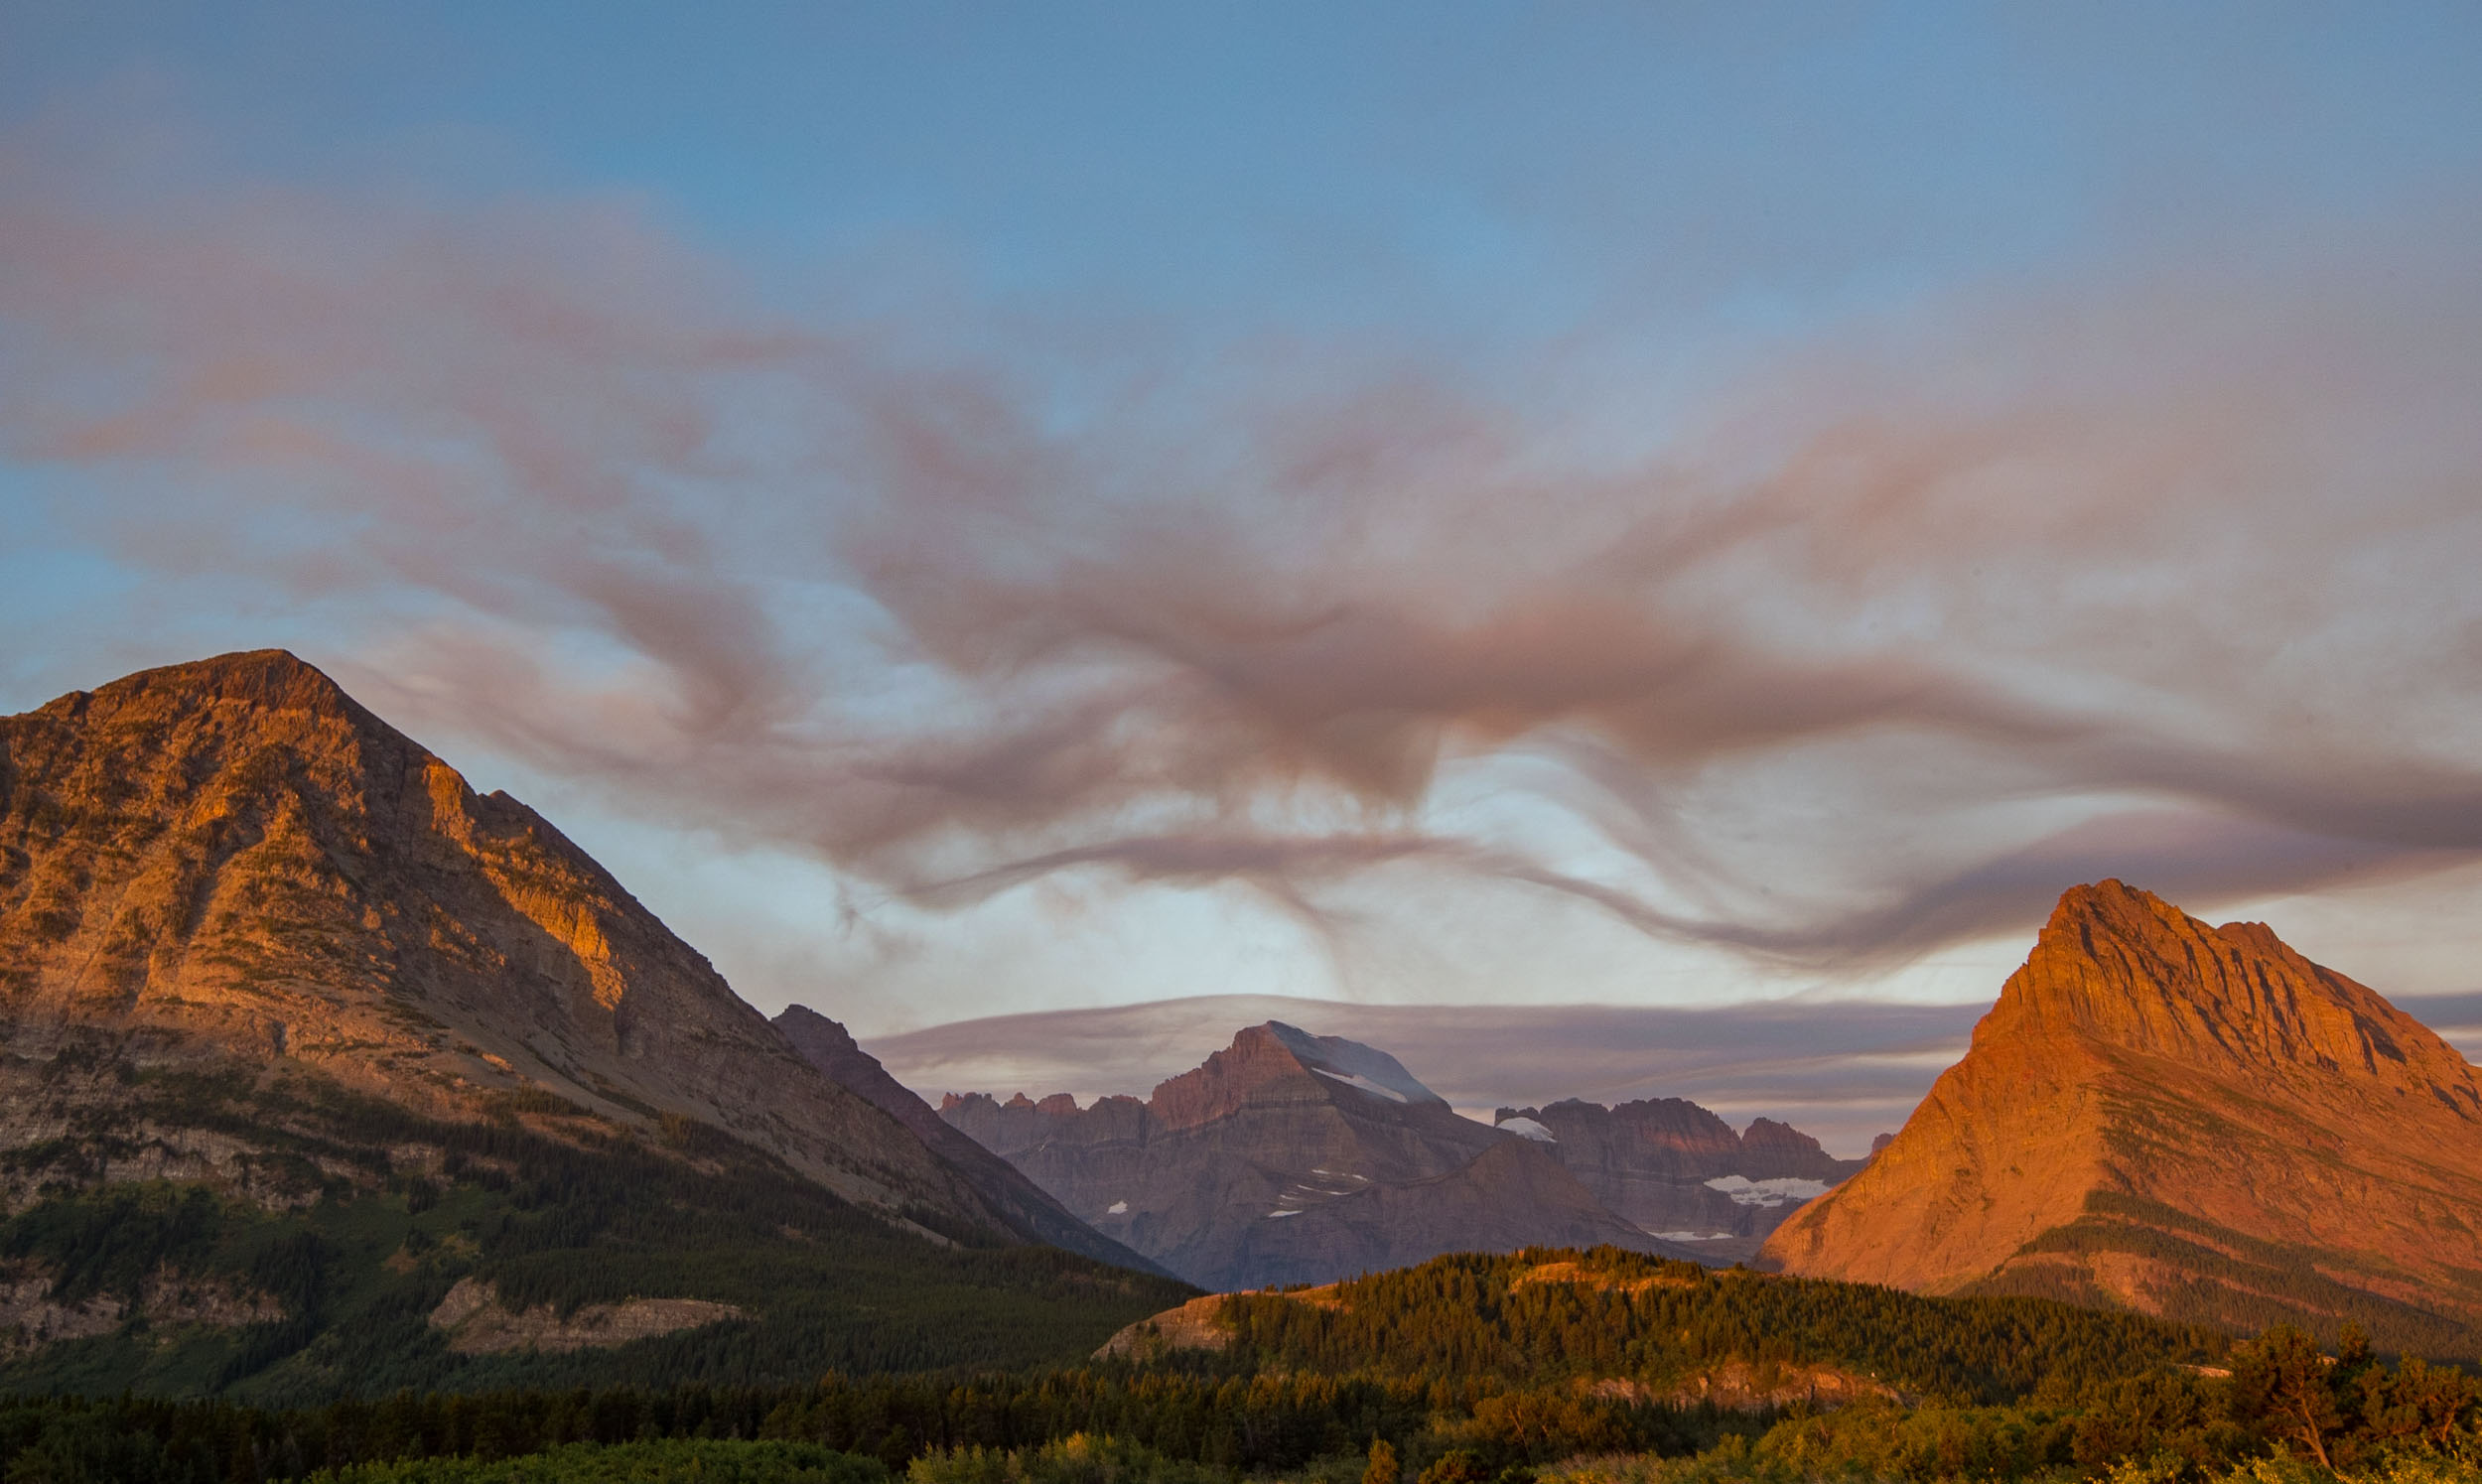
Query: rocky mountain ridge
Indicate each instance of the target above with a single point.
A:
(1675, 1169)
(1291, 1158)
(2191, 1120)
(299, 1034)
(233, 861)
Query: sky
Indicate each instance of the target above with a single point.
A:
(983, 511)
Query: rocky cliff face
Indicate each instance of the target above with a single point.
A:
(232, 865)
(1288, 1157)
(2189, 1120)
(1671, 1167)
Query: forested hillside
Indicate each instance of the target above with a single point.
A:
(1538, 1316)
(700, 1258)
(2283, 1415)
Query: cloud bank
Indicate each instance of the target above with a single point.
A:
(2161, 570)
(1840, 1072)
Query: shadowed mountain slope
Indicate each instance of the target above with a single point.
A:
(2191, 1121)
(826, 1045)
(1668, 1166)
(1288, 1157)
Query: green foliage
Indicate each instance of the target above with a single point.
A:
(1655, 1321)
(705, 1460)
(111, 1243)
(1209, 1422)
(2288, 1415)
(2346, 1408)
(1189, 1428)
(1075, 1459)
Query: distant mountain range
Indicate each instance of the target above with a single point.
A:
(2188, 1120)
(1291, 1158)
(321, 1072)
(1672, 1167)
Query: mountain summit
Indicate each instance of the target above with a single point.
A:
(1293, 1157)
(274, 979)
(2187, 1120)
(232, 859)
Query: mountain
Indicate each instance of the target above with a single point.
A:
(827, 1046)
(1288, 1157)
(2188, 1120)
(1672, 1167)
(271, 973)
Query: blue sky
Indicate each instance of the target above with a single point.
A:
(990, 508)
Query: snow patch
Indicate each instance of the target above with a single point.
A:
(1526, 1127)
(1745, 1191)
(1357, 1079)
(1284, 1213)
(1365, 1067)
(1117, 1208)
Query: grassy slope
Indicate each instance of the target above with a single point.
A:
(2207, 1274)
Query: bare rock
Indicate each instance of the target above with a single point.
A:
(2181, 1118)
(232, 865)
(476, 1322)
(1294, 1158)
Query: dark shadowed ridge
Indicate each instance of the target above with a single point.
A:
(825, 1045)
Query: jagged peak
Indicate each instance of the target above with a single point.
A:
(2111, 902)
(271, 679)
(2122, 964)
(802, 1020)
(242, 687)
(1273, 1052)
(1352, 1063)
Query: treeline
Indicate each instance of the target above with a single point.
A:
(2283, 1399)
(1539, 1315)
(1224, 1422)
(2285, 1413)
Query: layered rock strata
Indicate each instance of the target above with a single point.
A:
(233, 869)
(2186, 1120)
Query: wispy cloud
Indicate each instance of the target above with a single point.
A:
(2165, 573)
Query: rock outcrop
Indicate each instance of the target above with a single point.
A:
(1673, 1167)
(2189, 1121)
(1288, 1157)
(473, 1321)
(232, 867)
